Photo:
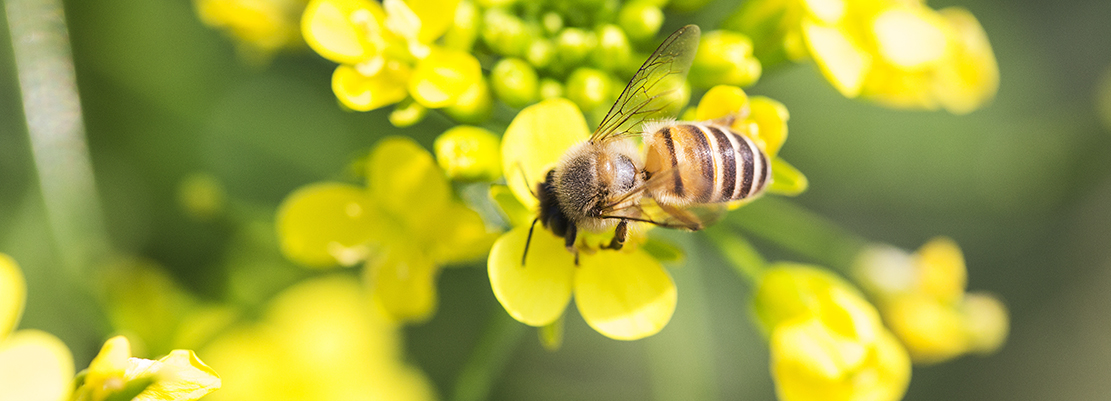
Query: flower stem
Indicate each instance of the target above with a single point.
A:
(799, 230)
(52, 108)
(740, 253)
(489, 358)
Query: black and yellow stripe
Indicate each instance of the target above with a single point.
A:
(708, 163)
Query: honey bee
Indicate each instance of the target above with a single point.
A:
(690, 170)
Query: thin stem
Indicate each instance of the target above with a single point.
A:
(741, 254)
(489, 358)
(40, 44)
(800, 231)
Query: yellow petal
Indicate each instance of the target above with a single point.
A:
(323, 224)
(786, 179)
(941, 270)
(721, 101)
(34, 366)
(932, 332)
(771, 117)
(971, 77)
(436, 16)
(986, 321)
(180, 376)
(360, 92)
(625, 296)
(13, 293)
(462, 236)
(910, 38)
(537, 292)
(403, 280)
(407, 184)
(841, 60)
(440, 79)
(339, 30)
(536, 140)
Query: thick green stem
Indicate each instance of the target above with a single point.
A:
(44, 64)
(800, 231)
(489, 358)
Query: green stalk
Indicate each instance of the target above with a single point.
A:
(799, 230)
(743, 257)
(52, 108)
(489, 358)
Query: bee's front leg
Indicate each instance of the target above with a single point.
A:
(619, 235)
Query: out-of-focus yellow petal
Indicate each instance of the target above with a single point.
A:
(34, 366)
(828, 11)
(625, 296)
(806, 364)
(180, 376)
(440, 79)
(931, 331)
(840, 59)
(721, 101)
(536, 140)
(339, 30)
(971, 77)
(360, 92)
(537, 292)
(910, 38)
(13, 293)
(987, 322)
(436, 16)
(323, 224)
(403, 280)
(105, 375)
(941, 270)
(463, 236)
(406, 183)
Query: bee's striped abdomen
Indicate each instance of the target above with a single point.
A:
(706, 164)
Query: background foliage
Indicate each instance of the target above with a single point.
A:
(1023, 185)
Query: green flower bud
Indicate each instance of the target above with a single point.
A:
(641, 20)
(613, 52)
(550, 88)
(407, 113)
(515, 82)
(202, 196)
(724, 57)
(589, 88)
(474, 106)
(469, 153)
(464, 31)
(552, 23)
(504, 33)
(540, 53)
(573, 45)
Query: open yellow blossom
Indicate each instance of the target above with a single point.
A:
(260, 27)
(922, 298)
(404, 225)
(179, 376)
(901, 54)
(624, 295)
(827, 342)
(387, 53)
(34, 365)
(323, 339)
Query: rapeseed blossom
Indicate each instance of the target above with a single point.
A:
(403, 226)
(898, 53)
(260, 28)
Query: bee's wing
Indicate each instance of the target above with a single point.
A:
(656, 89)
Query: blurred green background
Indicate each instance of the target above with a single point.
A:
(1023, 185)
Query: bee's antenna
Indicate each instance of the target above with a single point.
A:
(528, 241)
(524, 177)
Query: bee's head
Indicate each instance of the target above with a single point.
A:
(591, 176)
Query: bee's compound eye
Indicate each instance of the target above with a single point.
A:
(625, 173)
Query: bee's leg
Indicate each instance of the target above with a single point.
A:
(619, 235)
(569, 238)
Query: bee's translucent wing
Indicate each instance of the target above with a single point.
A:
(656, 90)
(692, 217)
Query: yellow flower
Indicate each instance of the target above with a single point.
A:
(898, 53)
(827, 342)
(922, 297)
(624, 295)
(179, 376)
(404, 226)
(322, 339)
(34, 365)
(386, 52)
(260, 27)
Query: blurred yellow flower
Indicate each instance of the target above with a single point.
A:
(827, 342)
(404, 226)
(922, 297)
(34, 365)
(386, 51)
(179, 376)
(624, 294)
(260, 27)
(900, 53)
(322, 339)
